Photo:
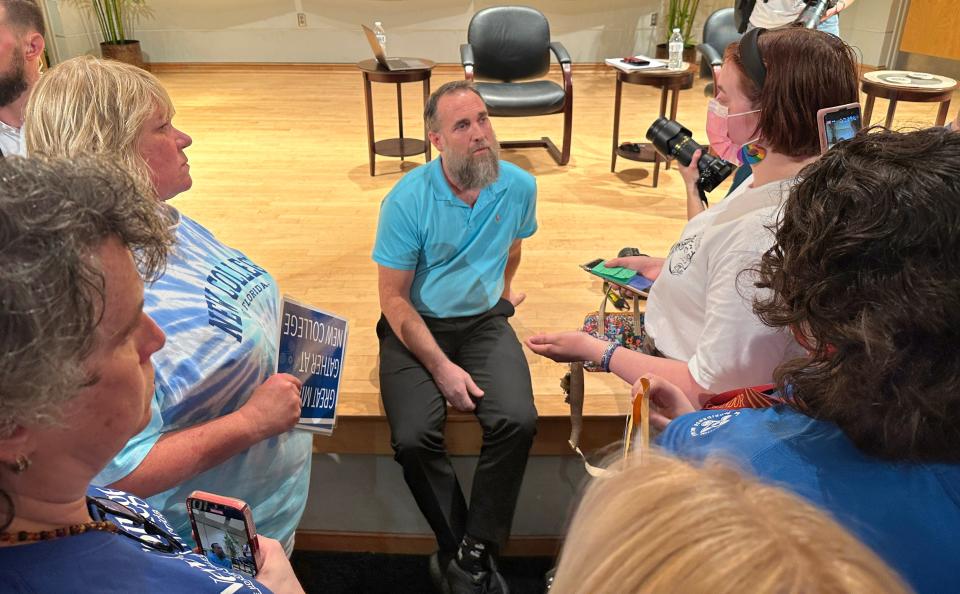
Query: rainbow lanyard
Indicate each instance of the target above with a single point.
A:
(752, 154)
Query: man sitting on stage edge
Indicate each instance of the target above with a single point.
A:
(448, 245)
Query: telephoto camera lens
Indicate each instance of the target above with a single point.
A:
(674, 141)
(813, 12)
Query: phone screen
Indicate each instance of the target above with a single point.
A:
(222, 534)
(841, 125)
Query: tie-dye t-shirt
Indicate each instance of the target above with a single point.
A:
(220, 313)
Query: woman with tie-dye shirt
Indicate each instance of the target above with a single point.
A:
(223, 419)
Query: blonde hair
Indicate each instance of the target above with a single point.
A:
(89, 106)
(668, 526)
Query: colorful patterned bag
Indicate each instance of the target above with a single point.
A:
(626, 329)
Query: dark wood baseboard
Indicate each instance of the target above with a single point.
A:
(412, 544)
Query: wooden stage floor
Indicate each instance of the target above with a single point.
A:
(280, 171)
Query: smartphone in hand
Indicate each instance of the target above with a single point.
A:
(838, 123)
(223, 530)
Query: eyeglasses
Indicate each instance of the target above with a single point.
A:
(152, 535)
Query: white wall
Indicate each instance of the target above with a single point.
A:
(869, 26)
(266, 30)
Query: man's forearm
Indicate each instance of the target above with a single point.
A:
(179, 456)
(412, 331)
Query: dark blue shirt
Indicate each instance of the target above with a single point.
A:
(104, 562)
(908, 513)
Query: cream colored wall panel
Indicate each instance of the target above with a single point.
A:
(866, 25)
(257, 31)
(266, 31)
(869, 15)
(870, 44)
(221, 14)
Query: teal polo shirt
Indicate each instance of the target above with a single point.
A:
(458, 253)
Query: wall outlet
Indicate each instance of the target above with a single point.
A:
(653, 19)
(301, 19)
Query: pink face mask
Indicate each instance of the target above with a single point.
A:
(728, 132)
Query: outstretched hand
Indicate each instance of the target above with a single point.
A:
(565, 347)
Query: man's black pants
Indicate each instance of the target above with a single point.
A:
(486, 347)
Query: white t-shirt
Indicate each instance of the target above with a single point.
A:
(699, 309)
(11, 141)
(775, 13)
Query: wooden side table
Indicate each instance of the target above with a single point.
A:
(877, 84)
(402, 146)
(668, 81)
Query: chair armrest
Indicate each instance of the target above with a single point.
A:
(711, 55)
(565, 67)
(466, 58)
(561, 52)
(466, 54)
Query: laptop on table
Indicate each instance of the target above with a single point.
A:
(391, 64)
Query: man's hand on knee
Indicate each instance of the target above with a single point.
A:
(457, 386)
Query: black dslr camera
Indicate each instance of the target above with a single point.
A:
(673, 140)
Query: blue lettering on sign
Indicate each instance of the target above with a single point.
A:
(226, 284)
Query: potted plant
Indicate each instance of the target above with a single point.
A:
(680, 15)
(115, 19)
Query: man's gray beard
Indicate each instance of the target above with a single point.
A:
(475, 173)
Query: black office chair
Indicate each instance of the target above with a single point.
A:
(719, 31)
(510, 44)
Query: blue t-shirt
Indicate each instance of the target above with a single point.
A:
(219, 311)
(108, 563)
(908, 513)
(458, 253)
(219, 561)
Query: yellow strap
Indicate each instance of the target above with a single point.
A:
(639, 414)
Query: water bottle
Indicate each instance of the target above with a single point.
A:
(381, 36)
(676, 51)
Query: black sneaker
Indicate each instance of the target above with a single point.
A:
(461, 581)
(548, 578)
(437, 574)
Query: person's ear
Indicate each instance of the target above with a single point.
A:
(436, 140)
(33, 45)
(17, 444)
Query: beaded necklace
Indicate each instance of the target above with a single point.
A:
(72, 530)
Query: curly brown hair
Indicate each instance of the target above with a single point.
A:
(865, 271)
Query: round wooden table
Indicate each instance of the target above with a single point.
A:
(401, 146)
(936, 89)
(669, 82)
